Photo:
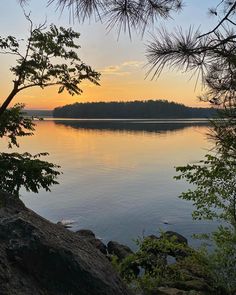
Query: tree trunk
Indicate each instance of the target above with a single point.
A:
(8, 100)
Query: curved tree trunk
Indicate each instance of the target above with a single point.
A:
(8, 101)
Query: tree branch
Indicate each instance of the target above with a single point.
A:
(221, 22)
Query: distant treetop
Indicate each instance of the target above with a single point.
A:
(131, 109)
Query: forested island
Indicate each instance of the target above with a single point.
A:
(131, 109)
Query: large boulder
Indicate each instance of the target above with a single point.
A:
(38, 257)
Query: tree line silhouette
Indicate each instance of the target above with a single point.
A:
(131, 109)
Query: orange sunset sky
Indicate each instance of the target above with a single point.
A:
(122, 62)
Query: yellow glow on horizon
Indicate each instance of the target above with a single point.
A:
(122, 62)
(125, 82)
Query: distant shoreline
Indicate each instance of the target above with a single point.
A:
(39, 113)
(146, 110)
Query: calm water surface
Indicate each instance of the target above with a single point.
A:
(118, 175)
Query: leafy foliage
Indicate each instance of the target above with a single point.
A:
(50, 59)
(221, 262)
(156, 271)
(223, 132)
(22, 170)
(41, 71)
(214, 269)
(214, 190)
(14, 123)
(17, 170)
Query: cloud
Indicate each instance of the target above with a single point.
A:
(111, 69)
(123, 69)
(133, 63)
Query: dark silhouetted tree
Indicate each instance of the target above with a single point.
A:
(50, 59)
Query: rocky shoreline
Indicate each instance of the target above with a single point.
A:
(38, 257)
(197, 284)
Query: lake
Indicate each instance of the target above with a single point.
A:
(118, 175)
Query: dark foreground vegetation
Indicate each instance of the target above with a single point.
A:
(38, 257)
(132, 109)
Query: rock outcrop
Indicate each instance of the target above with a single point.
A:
(90, 237)
(38, 257)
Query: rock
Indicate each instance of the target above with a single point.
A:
(99, 245)
(89, 236)
(121, 251)
(169, 291)
(176, 237)
(153, 237)
(182, 249)
(197, 285)
(86, 233)
(179, 248)
(38, 257)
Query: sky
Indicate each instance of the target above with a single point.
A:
(121, 62)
